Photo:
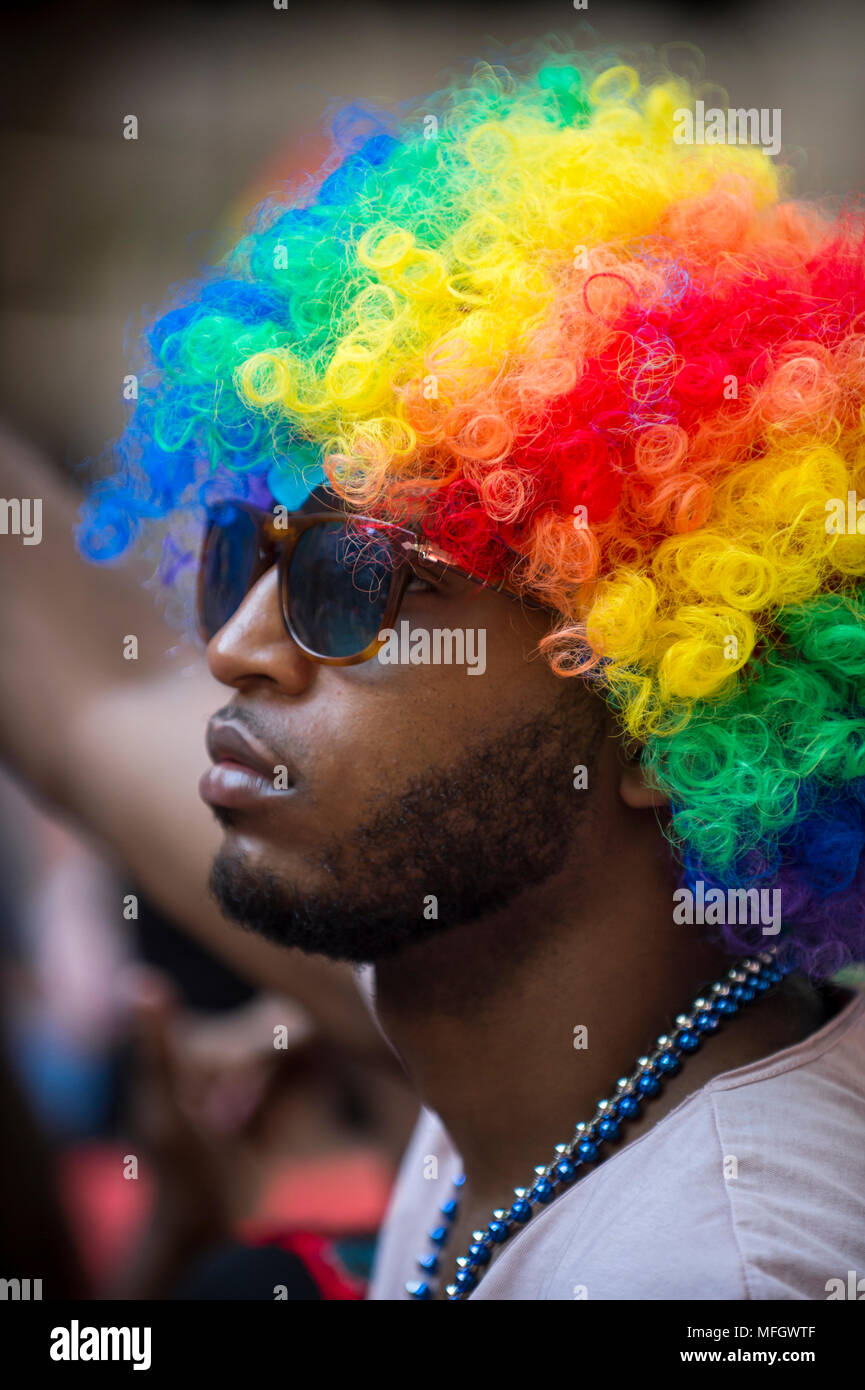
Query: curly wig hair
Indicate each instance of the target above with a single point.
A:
(523, 309)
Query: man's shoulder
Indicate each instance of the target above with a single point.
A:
(753, 1188)
(793, 1142)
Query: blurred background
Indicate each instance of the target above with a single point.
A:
(95, 231)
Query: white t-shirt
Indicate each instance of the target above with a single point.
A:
(659, 1219)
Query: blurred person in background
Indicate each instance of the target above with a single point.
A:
(230, 1134)
(36, 1237)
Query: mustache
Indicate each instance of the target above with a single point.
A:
(265, 731)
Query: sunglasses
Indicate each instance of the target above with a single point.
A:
(342, 578)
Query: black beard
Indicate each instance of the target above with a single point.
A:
(472, 836)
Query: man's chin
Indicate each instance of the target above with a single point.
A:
(263, 901)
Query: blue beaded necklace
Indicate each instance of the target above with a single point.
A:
(747, 980)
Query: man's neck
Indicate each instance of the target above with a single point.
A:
(513, 1028)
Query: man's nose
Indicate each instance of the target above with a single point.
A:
(254, 644)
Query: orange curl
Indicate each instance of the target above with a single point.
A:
(505, 493)
(659, 450)
(803, 390)
(482, 434)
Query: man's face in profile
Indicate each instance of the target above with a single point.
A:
(368, 806)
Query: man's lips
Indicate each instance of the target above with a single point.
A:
(244, 773)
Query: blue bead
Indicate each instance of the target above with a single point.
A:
(543, 1191)
(466, 1279)
(726, 1006)
(628, 1107)
(449, 1209)
(565, 1170)
(439, 1235)
(479, 1254)
(669, 1063)
(430, 1263)
(497, 1231)
(419, 1289)
(648, 1085)
(706, 1022)
(609, 1129)
(460, 1181)
(587, 1150)
(521, 1211)
(687, 1039)
(760, 984)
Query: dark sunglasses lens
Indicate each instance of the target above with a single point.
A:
(339, 582)
(229, 562)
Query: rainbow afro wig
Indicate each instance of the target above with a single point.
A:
(521, 310)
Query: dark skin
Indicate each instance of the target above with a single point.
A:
(485, 1027)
